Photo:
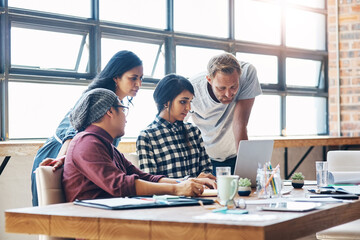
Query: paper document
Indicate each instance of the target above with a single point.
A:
(320, 200)
(348, 189)
(114, 202)
(344, 177)
(209, 193)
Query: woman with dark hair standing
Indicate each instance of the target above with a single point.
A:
(122, 75)
(168, 146)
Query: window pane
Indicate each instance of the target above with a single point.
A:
(266, 66)
(257, 21)
(309, 3)
(301, 72)
(305, 30)
(48, 50)
(192, 60)
(141, 114)
(206, 17)
(305, 115)
(35, 110)
(79, 8)
(136, 12)
(265, 122)
(153, 60)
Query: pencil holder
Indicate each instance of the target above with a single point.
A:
(268, 183)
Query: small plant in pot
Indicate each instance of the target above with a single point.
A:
(297, 180)
(244, 187)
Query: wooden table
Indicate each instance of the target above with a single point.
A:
(68, 220)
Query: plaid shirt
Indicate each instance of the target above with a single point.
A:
(162, 149)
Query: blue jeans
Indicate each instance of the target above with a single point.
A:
(230, 162)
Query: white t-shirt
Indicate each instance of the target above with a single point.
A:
(215, 119)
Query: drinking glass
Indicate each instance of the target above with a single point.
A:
(322, 173)
(220, 171)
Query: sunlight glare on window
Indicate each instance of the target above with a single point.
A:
(141, 113)
(35, 110)
(257, 21)
(305, 115)
(136, 12)
(305, 30)
(45, 49)
(145, 51)
(265, 116)
(309, 3)
(266, 66)
(205, 17)
(192, 60)
(80, 8)
(302, 72)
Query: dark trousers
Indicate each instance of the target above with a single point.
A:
(230, 162)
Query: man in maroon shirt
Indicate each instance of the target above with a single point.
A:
(94, 168)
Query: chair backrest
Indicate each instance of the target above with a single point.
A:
(133, 158)
(343, 160)
(49, 185)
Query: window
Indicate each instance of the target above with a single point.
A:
(37, 49)
(192, 60)
(51, 50)
(306, 115)
(265, 122)
(301, 72)
(152, 55)
(35, 110)
(305, 30)
(79, 8)
(134, 12)
(141, 114)
(206, 17)
(265, 65)
(257, 21)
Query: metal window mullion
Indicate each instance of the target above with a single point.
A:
(95, 40)
(4, 70)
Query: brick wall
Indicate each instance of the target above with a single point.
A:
(349, 63)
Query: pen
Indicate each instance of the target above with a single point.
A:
(184, 179)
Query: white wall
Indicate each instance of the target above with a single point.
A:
(15, 192)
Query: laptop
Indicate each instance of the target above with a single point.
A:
(251, 153)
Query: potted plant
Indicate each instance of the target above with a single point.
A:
(297, 180)
(244, 187)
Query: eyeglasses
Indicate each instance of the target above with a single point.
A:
(125, 109)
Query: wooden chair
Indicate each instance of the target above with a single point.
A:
(342, 161)
(49, 190)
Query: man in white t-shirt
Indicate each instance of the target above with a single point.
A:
(221, 108)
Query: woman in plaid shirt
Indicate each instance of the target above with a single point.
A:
(168, 146)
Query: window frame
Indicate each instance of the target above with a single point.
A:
(97, 29)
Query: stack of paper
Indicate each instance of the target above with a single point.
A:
(344, 177)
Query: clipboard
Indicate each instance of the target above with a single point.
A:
(141, 202)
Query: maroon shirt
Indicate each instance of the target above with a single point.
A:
(94, 168)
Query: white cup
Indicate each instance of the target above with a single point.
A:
(227, 186)
(322, 173)
(220, 171)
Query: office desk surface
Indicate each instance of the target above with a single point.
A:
(307, 141)
(68, 220)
